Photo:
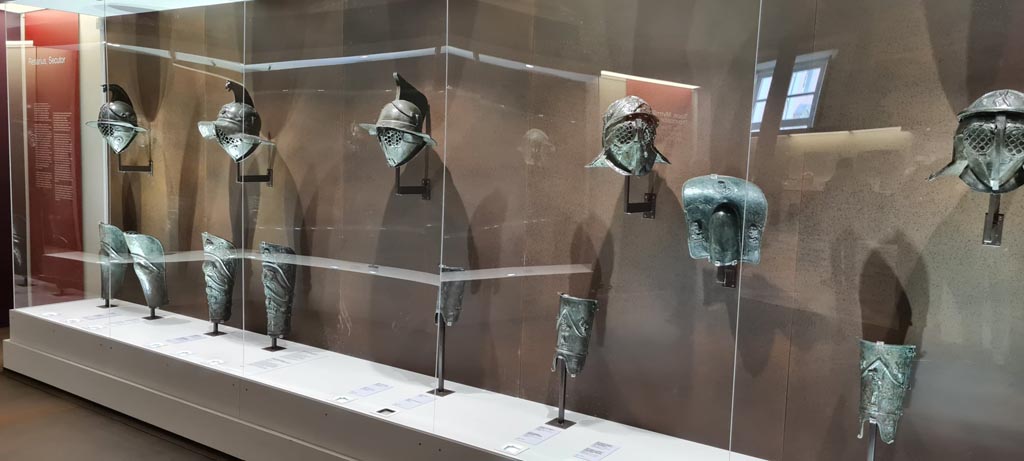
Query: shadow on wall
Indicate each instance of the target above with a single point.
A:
(658, 324)
(402, 332)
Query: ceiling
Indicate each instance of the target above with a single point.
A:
(105, 8)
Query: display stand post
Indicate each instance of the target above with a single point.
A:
(122, 168)
(216, 331)
(423, 190)
(993, 233)
(646, 207)
(440, 391)
(273, 347)
(560, 421)
(241, 178)
(147, 168)
(871, 441)
(152, 314)
(106, 301)
(726, 276)
(267, 179)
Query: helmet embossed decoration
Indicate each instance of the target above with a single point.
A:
(884, 382)
(574, 327)
(988, 149)
(725, 217)
(399, 128)
(237, 128)
(630, 127)
(117, 121)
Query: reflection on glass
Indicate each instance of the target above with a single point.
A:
(758, 112)
(802, 95)
(798, 107)
(762, 87)
(804, 81)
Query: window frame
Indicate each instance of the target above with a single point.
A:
(818, 60)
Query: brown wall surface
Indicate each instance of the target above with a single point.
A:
(662, 355)
(858, 244)
(861, 245)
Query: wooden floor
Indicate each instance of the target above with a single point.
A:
(42, 423)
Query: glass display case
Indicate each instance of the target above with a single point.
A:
(539, 230)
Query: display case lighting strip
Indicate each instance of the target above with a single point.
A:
(620, 76)
(888, 129)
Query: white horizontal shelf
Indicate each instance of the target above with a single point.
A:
(427, 278)
(474, 417)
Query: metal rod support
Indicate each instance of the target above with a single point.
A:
(423, 190)
(871, 441)
(216, 330)
(254, 178)
(273, 345)
(561, 395)
(726, 276)
(440, 391)
(122, 168)
(646, 207)
(152, 314)
(560, 421)
(440, 354)
(993, 232)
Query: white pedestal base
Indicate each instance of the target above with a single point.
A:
(300, 403)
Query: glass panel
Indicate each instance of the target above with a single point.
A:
(860, 246)
(171, 186)
(353, 309)
(798, 107)
(758, 112)
(47, 143)
(762, 88)
(529, 86)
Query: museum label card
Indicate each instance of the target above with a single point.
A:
(538, 435)
(186, 339)
(410, 403)
(597, 451)
(367, 391)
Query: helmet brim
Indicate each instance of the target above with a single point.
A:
(96, 124)
(995, 110)
(209, 131)
(372, 130)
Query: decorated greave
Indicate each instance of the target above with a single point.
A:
(449, 301)
(884, 381)
(113, 254)
(148, 254)
(575, 323)
(219, 272)
(278, 286)
(725, 218)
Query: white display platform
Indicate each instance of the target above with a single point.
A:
(302, 402)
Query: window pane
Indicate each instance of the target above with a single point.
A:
(804, 81)
(758, 112)
(798, 107)
(762, 88)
